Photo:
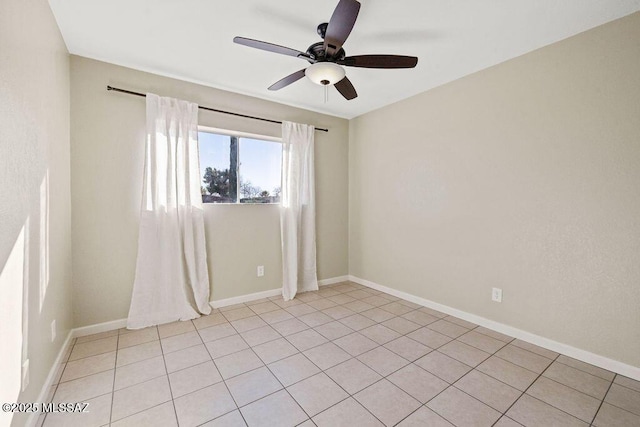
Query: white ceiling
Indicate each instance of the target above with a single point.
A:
(192, 40)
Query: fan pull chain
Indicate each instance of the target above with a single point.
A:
(326, 93)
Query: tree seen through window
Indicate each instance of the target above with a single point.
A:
(239, 170)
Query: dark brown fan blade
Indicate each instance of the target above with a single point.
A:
(340, 25)
(287, 80)
(379, 61)
(269, 47)
(346, 89)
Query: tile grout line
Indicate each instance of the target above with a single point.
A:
(142, 382)
(558, 409)
(529, 386)
(223, 380)
(471, 370)
(139, 412)
(586, 372)
(523, 367)
(383, 346)
(166, 370)
(453, 358)
(87, 375)
(575, 389)
(53, 395)
(271, 372)
(321, 371)
(624, 386)
(155, 378)
(113, 384)
(412, 362)
(424, 405)
(623, 409)
(349, 395)
(474, 368)
(602, 401)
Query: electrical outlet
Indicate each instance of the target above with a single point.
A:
(53, 330)
(25, 374)
(496, 294)
(260, 270)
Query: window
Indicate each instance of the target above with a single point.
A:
(239, 168)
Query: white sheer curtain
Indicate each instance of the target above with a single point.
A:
(298, 210)
(172, 282)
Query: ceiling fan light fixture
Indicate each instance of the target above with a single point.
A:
(325, 73)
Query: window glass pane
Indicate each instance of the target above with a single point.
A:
(215, 167)
(235, 169)
(260, 164)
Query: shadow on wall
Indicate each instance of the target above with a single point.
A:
(30, 244)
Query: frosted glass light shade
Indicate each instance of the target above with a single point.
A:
(325, 73)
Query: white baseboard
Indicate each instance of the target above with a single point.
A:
(270, 293)
(245, 298)
(98, 328)
(42, 397)
(583, 355)
(332, 280)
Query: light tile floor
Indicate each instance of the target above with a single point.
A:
(342, 356)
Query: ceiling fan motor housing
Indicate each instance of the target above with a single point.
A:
(317, 53)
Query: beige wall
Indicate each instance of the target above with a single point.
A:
(35, 235)
(107, 146)
(526, 177)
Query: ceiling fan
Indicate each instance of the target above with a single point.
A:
(327, 57)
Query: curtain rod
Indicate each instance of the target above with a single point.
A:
(208, 108)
